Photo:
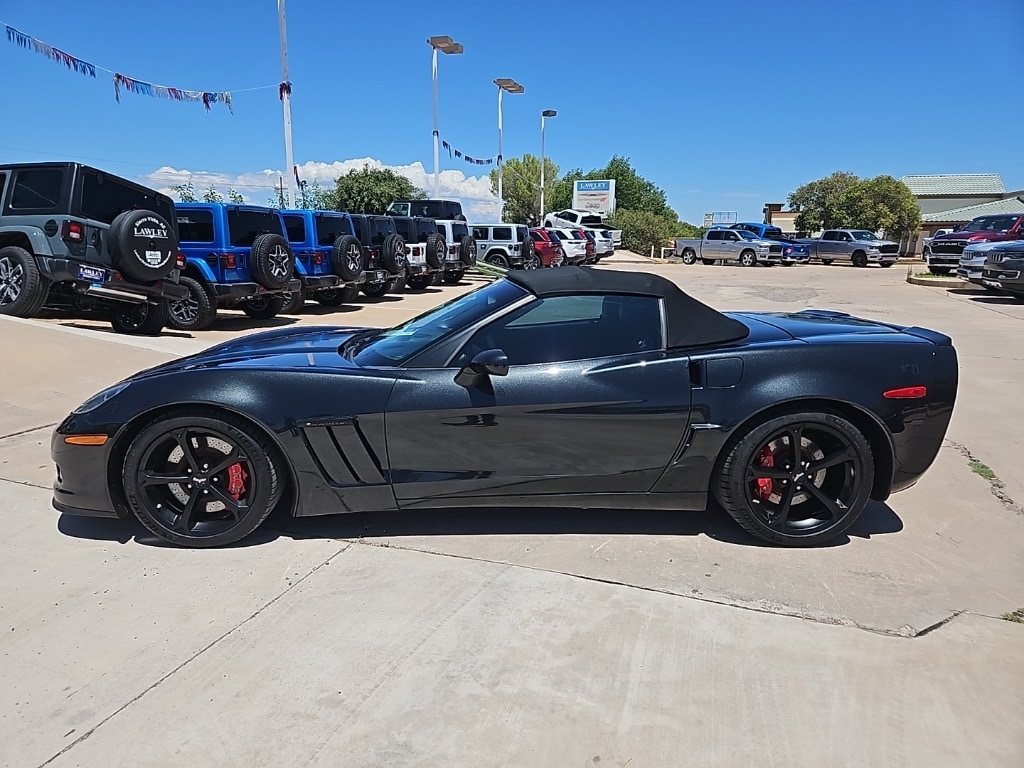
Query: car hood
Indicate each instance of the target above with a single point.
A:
(960, 237)
(299, 348)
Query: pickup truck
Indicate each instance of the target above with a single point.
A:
(577, 218)
(327, 256)
(944, 252)
(793, 251)
(857, 246)
(729, 245)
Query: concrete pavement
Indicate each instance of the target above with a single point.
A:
(541, 637)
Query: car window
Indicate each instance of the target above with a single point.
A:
(330, 228)
(360, 230)
(563, 328)
(480, 233)
(405, 229)
(459, 231)
(715, 234)
(829, 235)
(502, 233)
(37, 189)
(104, 197)
(381, 228)
(425, 228)
(295, 226)
(246, 224)
(399, 209)
(3, 182)
(195, 225)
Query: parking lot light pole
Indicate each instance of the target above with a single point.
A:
(543, 115)
(285, 90)
(504, 84)
(444, 44)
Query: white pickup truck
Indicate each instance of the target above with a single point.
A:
(729, 245)
(576, 218)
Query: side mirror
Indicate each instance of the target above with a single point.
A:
(490, 362)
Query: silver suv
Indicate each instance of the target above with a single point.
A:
(506, 245)
(461, 249)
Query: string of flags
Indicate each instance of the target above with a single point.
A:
(121, 82)
(462, 156)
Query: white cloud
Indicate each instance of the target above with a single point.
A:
(258, 186)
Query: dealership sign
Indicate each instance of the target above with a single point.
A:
(596, 196)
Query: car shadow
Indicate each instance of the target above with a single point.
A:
(876, 520)
(243, 322)
(164, 333)
(983, 296)
(320, 309)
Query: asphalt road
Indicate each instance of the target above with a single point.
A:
(539, 637)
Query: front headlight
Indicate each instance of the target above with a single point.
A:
(100, 398)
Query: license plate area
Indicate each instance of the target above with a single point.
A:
(92, 274)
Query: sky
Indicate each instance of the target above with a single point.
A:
(723, 106)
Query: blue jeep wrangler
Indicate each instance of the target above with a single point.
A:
(328, 258)
(235, 256)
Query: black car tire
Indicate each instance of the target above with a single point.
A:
(23, 290)
(496, 259)
(786, 263)
(453, 277)
(827, 262)
(329, 297)
(273, 262)
(376, 290)
(436, 250)
(142, 245)
(859, 259)
(762, 495)
(532, 260)
(419, 282)
(689, 256)
(196, 312)
(177, 446)
(393, 254)
(707, 262)
(293, 302)
(884, 264)
(748, 259)
(468, 251)
(347, 258)
(143, 319)
(263, 308)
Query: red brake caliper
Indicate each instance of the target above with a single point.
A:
(236, 481)
(764, 484)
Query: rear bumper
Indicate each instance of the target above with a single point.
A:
(319, 282)
(67, 271)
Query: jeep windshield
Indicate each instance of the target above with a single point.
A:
(396, 345)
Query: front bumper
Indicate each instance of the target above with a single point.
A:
(81, 486)
(108, 286)
(1007, 277)
(942, 261)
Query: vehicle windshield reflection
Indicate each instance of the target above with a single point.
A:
(396, 345)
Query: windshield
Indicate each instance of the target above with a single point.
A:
(863, 234)
(746, 235)
(396, 345)
(991, 224)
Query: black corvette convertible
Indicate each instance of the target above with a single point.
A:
(564, 388)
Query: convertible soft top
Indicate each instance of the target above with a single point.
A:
(690, 323)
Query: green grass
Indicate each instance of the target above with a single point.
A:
(1017, 617)
(936, 277)
(982, 469)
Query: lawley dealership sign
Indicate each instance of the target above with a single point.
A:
(596, 196)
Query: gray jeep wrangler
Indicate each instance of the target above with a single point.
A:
(75, 236)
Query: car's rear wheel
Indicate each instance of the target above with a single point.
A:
(707, 262)
(23, 289)
(140, 319)
(689, 256)
(376, 290)
(453, 277)
(532, 260)
(198, 480)
(196, 312)
(294, 301)
(827, 262)
(419, 282)
(263, 308)
(886, 263)
(859, 259)
(497, 260)
(798, 479)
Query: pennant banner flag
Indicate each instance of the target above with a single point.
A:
(121, 82)
(462, 156)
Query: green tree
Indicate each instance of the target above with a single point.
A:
(186, 192)
(825, 203)
(642, 230)
(234, 197)
(632, 191)
(211, 195)
(558, 196)
(315, 198)
(883, 204)
(370, 190)
(521, 187)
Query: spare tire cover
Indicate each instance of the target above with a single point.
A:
(142, 245)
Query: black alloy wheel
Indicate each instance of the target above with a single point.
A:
(143, 319)
(194, 479)
(797, 480)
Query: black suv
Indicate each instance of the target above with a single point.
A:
(384, 260)
(425, 249)
(77, 236)
(449, 210)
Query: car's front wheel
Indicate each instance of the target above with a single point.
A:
(200, 480)
(798, 480)
(748, 259)
(196, 312)
(140, 319)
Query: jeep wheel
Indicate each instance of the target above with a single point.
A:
(497, 259)
(272, 261)
(23, 290)
(140, 319)
(347, 258)
(196, 312)
(376, 290)
(453, 277)
(419, 282)
(467, 251)
(293, 302)
(142, 245)
(264, 307)
(436, 250)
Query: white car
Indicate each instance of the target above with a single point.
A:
(574, 246)
(972, 261)
(604, 245)
(576, 217)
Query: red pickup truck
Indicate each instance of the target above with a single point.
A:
(944, 252)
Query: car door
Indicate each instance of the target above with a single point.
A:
(591, 403)
(827, 245)
(730, 245)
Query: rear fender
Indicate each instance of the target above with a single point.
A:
(36, 240)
